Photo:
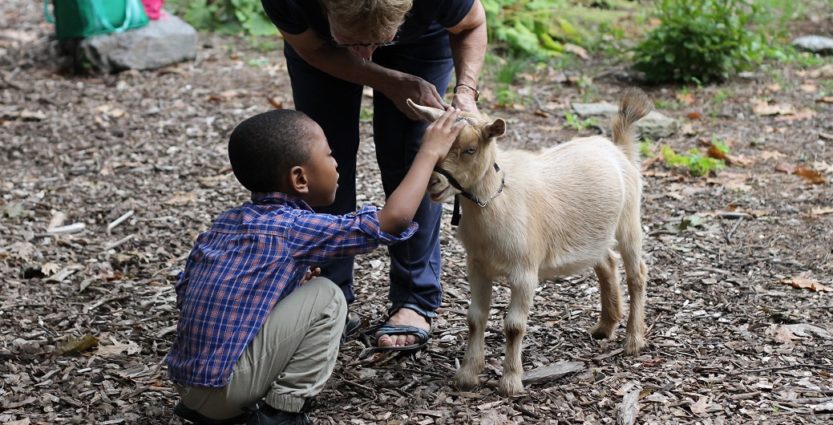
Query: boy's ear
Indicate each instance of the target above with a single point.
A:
(298, 180)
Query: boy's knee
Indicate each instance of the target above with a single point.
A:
(332, 293)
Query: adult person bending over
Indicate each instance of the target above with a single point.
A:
(402, 49)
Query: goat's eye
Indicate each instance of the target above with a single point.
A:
(470, 150)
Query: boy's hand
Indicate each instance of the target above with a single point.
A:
(310, 274)
(440, 135)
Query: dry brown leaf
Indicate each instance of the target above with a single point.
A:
(809, 175)
(77, 345)
(694, 115)
(130, 349)
(576, 50)
(809, 88)
(825, 99)
(687, 98)
(817, 212)
(783, 167)
(784, 335)
(765, 155)
(804, 114)
(801, 282)
(276, 102)
(715, 152)
(700, 407)
(762, 107)
(182, 198)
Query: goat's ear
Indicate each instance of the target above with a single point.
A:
(427, 113)
(496, 129)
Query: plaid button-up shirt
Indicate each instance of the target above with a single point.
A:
(250, 259)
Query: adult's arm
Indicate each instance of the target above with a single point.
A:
(340, 63)
(468, 48)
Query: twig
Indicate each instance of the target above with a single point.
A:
(119, 220)
(119, 242)
(735, 227)
(101, 302)
(518, 407)
(71, 228)
(774, 368)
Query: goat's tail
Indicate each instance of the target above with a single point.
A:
(635, 105)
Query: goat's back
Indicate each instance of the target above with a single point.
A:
(560, 207)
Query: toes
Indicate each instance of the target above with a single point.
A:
(385, 341)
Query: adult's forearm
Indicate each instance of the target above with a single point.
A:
(468, 50)
(341, 64)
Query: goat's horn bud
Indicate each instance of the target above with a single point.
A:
(427, 113)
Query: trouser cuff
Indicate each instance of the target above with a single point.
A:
(285, 402)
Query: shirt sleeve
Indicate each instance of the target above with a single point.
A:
(316, 238)
(287, 15)
(451, 12)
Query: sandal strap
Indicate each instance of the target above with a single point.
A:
(427, 314)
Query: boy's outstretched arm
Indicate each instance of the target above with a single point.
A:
(402, 204)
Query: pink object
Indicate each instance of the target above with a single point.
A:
(153, 8)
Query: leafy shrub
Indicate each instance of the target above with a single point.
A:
(699, 41)
(230, 16)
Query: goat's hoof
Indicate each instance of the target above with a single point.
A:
(633, 344)
(465, 381)
(510, 385)
(602, 330)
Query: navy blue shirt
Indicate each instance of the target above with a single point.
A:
(426, 19)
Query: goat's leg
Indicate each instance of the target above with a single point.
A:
(630, 246)
(478, 315)
(611, 298)
(523, 290)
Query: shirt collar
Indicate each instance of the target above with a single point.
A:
(278, 198)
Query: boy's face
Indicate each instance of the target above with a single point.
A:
(321, 172)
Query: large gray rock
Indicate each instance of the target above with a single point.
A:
(654, 126)
(815, 44)
(162, 42)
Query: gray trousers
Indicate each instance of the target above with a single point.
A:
(290, 359)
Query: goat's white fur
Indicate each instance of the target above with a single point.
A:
(562, 211)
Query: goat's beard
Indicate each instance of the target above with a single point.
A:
(439, 190)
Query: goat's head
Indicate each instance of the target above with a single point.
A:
(471, 156)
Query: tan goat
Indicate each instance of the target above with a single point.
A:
(528, 216)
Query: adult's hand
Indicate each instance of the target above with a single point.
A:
(420, 91)
(464, 101)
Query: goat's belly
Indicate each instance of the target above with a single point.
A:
(553, 270)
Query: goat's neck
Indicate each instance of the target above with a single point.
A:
(490, 181)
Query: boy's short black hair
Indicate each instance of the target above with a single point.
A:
(262, 149)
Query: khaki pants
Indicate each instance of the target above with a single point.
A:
(290, 359)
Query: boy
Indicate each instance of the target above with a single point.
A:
(249, 333)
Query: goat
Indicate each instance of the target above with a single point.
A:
(530, 216)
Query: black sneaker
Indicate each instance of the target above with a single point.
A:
(268, 415)
(351, 327)
(193, 416)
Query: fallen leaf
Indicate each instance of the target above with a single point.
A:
(785, 168)
(801, 115)
(276, 102)
(694, 115)
(687, 97)
(762, 107)
(809, 175)
(765, 155)
(816, 212)
(130, 349)
(783, 335)
(809, 88)
(49, 269)
(77, 345)
(182, 198)
(576, 50)
(700, 407)
(825, 99)
(801, 282)
(715, 152)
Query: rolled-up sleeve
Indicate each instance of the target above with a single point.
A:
(316, 238)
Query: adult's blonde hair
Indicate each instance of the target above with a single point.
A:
(375, 19)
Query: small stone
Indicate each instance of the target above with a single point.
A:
(815, 44)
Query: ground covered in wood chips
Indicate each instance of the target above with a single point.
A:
(741, 262)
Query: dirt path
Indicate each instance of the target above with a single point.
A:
(730, 342)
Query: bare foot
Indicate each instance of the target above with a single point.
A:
(403, 317)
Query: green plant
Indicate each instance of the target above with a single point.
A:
(699, 41)
(230, 16)
(696, 163)
(646, 149)
(578, 124)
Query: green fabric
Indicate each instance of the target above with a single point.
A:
(84, 18)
